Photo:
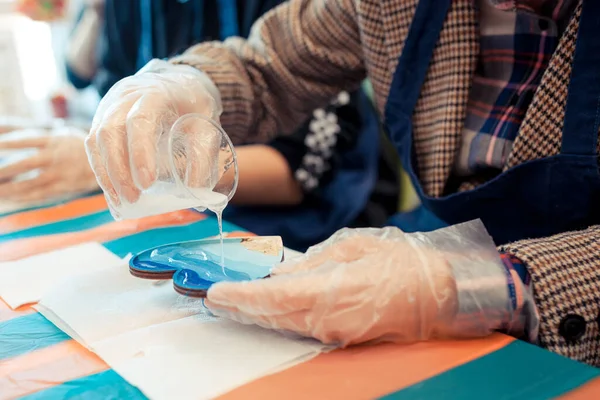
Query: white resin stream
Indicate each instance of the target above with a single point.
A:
(165, 198)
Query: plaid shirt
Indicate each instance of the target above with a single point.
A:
(517, 40)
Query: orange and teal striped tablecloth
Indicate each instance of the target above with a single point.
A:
(39, 361)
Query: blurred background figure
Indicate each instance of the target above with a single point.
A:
(303, 187)
(38, 150)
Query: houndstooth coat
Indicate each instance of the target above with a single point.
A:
(303, 53)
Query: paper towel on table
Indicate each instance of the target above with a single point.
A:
(26, 280)
(164, 343)
(200, 358)
(59, 323)
(108, 302)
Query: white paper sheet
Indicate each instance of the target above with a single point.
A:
(120, 303)
(26, 280)
(164, 343)
(196, 358)
(59, 323)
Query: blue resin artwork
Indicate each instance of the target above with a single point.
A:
(196, 265)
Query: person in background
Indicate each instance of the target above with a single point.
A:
(43, 164)
(54, 166)
(302, 187)
(493, 106)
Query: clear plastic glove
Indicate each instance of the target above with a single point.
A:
(49, 166)
(375, 284)
(123, 142)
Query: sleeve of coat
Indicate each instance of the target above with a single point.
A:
(298, 57)
(565, 273)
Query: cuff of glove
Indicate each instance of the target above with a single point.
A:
(483, 300)
(492, 297)
(161, 66)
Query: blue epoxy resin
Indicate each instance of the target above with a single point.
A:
(196, 265)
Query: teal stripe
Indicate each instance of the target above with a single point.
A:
(26, 334)
(517, 371)
(155, 237)
(69, 225)
(102, 386)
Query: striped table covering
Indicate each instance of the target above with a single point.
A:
(39, 361)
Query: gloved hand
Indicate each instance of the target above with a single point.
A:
(56, 167)
(368, 284)
(123, 142)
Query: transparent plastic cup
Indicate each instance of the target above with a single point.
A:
(196, 168)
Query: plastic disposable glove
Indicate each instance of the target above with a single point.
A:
(137, 111)
(49, 166)
(375, 284)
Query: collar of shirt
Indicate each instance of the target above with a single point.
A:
(517, 40)
(553, 9)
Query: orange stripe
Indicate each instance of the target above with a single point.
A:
(238, 234)
(73, 209)
(17, 249)
(48, 367)
(7, 313)
(367, 372)
(590, 390)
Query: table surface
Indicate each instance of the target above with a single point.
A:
(38, 361)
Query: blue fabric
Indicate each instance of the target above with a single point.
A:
(135, 31)
(146, 48)
(497, 375)
(228, 18)
(156, 237)
(66, 226)
(198, 26)
(154, 30)
(102, 386)
(535, 199)
(28, 333)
